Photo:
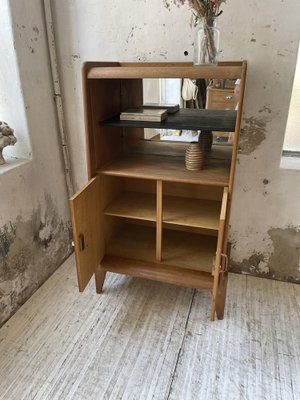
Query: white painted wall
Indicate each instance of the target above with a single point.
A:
(12, 108)
(264, 33)
(45, 171)
(292, 136)
(34, 215)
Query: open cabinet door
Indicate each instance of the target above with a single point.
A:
(87, 230)
(220, 281)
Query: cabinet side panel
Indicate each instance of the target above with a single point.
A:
(237, 127)
(105, 103)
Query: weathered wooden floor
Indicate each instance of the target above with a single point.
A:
(145, 340)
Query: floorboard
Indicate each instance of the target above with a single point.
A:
(148, 340)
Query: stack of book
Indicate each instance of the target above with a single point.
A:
(171, 108)
(149, 112)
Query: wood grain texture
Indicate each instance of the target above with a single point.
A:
(90, 229)
(159, 219)
(237, 127)
(142, 70)
(220, 99)
(87, 230)
(133, 205)
(131, 97)
(180, 249)
(100, 275)
(88, 115)
(158, 272)
(182, 211)
(145, 340)
(175, 189)
(148, 166)
(165, 161)
(220, 242)
(191, 212)
(105, 102)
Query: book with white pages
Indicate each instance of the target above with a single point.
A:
(140, 114)
(171, 108)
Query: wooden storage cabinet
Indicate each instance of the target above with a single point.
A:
(220, 99)
(142, 213)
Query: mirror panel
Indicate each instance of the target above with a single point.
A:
(202, 93)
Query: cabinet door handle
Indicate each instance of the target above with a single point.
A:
(226, 263)
(81, 242)
(228, 97)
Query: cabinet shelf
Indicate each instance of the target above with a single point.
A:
(167, 163)
(192, 119)
(141, 206)
(182, 211)
(196, 213)
(180, 249)
(158, 272)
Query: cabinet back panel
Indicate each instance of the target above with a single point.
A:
(193, 191)
(175, 189)
(140, 185)
(111, 188)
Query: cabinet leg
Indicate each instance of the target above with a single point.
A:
(213, 309)
(221, 297)
(99, 278)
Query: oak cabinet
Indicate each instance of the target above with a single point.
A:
(142, 213)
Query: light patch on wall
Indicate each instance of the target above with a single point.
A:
(30, 251)
(283, 261)
(253, 133)
(291, 146)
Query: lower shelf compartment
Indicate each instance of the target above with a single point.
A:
(180, 249)
(158, 272)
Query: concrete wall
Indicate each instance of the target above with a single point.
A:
(11, 98)
(265, 219)
(34, 218)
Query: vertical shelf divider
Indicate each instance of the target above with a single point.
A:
(158, 219)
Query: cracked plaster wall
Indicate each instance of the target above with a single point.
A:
(265, 219)
(34, 218)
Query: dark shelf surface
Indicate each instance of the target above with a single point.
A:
(192, 119)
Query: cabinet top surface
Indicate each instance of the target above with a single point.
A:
(114, 70)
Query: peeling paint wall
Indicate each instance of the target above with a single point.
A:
(34, 217)
(265, 219)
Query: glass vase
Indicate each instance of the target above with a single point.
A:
(206, 46)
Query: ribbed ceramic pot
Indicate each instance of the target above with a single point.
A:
(206, 140)
(194, 157)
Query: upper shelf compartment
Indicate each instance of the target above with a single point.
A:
(210, 120)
